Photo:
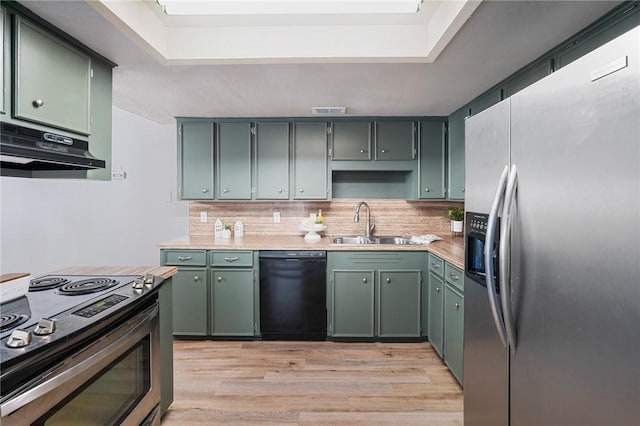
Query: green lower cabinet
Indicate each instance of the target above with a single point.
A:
(352, 303)
(232, 302)
(190, 302)
(436, 301)
(399, 303)
(166, 345)
(453, 330)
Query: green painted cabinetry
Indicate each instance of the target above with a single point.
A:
(431, 154)
(351, 140)
(446, 313)
(352, 303)
(195, 161)
(233, 294)
(52, 79)
(190, 301)
(271, 161)
(310, 172)
(233, 161)
(455, 155)
(374, 294)
(395, 140)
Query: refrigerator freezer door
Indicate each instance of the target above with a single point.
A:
(486, 360)
(576, 143)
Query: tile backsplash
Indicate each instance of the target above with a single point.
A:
(391, 217)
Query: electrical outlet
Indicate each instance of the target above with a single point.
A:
(276, 217)
(203, 217)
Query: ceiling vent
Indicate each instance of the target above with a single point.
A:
(329, 110)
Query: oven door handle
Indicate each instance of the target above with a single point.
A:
(494, 303)
(135, 328)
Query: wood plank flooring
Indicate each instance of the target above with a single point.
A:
(311, 383)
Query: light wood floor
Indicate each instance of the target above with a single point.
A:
(311, 383)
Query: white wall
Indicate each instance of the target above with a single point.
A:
(51, 224)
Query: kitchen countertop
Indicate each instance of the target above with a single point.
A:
(161, 271)
(450, 249)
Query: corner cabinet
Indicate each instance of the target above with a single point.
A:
(195, 161)
(310, 170)
(446, 313)
(374, 294)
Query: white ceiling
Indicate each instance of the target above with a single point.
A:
(499, 38)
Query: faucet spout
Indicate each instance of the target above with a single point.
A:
(356, 218)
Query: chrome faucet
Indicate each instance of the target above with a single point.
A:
(356, 218)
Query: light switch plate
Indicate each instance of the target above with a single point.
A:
(203, 217)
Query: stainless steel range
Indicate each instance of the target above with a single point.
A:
(81, 350)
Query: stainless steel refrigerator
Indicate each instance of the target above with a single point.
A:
(552, 283)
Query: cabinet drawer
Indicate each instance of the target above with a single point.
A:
(454, 276)
(231, 258)
(184, 257)
(436, 265)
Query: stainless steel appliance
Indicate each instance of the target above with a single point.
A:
(552, 301)
(81, 350)
(293, 294)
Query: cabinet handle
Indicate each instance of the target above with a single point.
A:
(231, 259)
(437, 289)
(204, 191)
(38, 103)
(196, 278)
(462, 189)
(301, 190)
(362, 151)
(427, 190)
(364, 280)
(457, 305)
(384, 151)
(219, 279)
(435, 266)
(453, 276)
(184, 258)
(225, 190)
(388, 280)
(279, 190)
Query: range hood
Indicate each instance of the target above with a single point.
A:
(24, 148)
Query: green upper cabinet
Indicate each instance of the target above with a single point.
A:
(431, 154)
(52, 80)
(395, 140)
(455, 157)
(351, 140)
(195, 161)
(310, 174)
(233, 161)
(272, 161)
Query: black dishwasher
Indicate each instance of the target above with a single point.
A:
(293, 294)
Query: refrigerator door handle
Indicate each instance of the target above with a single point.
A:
(496, 310)
(504, 261)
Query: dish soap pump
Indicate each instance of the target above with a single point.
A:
(319, 218)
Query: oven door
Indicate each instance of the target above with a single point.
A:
(113, 380)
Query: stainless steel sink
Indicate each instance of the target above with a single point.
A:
(371, 240)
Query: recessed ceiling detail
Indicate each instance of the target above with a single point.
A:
(291, 38)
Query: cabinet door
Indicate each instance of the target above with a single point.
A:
(399, 303)
(436, 300)
(232, 299)
(196, 161)
(351, 140)
(352, 304)
(424, 306)
(52, 79)
(310, 161)
(453, 331)
(395, 140)
(234, 161)
(190, 302)
(272, 161)
(456, 155)
(432, 160)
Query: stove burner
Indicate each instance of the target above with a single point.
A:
(9, 321)
(91, 285)
(47, 283)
